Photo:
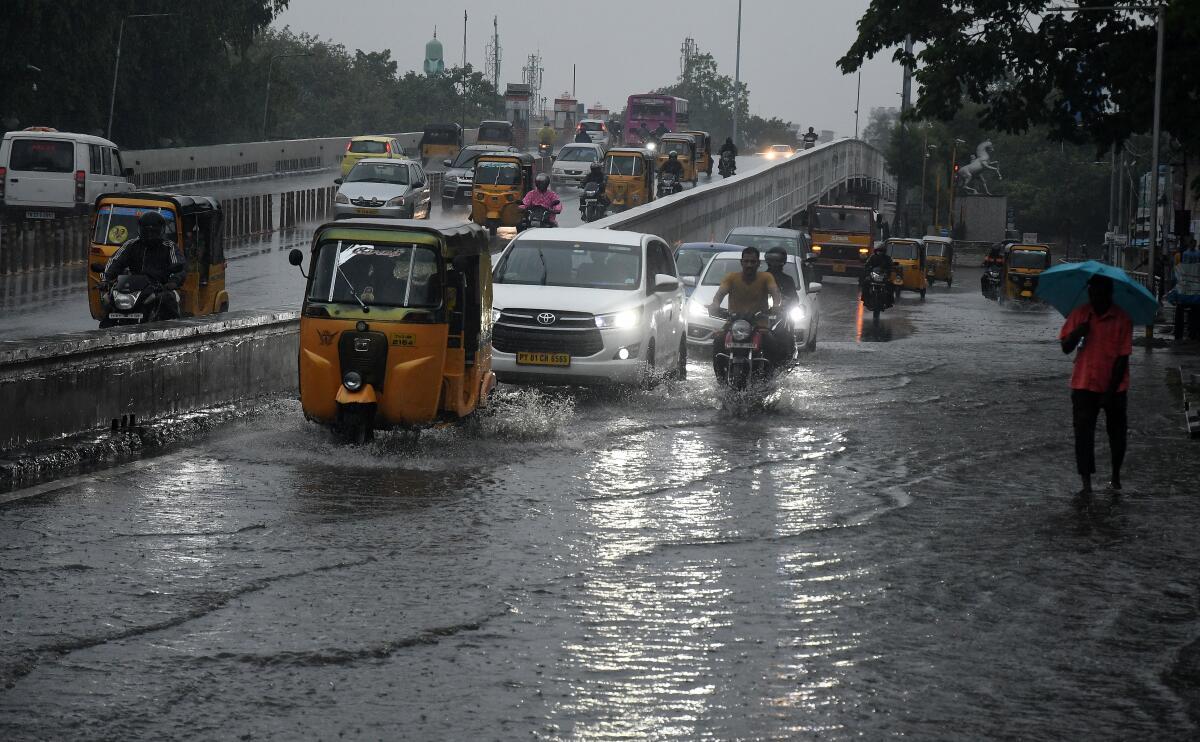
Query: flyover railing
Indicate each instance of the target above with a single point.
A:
(768, 196)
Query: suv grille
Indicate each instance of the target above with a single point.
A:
(570, 332)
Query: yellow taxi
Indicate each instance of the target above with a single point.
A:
(359, 148)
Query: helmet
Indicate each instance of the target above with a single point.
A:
(674, 155)
(777, 255)
(880, 247)
(542, 181)
(151, 226)
(596, 167)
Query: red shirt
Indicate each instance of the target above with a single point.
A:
(1110, 337)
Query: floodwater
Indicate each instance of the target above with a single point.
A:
(886, 547)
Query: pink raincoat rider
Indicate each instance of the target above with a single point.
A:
(547, 199)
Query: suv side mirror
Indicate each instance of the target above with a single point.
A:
(663, 282)
(689, 281)
(295, 257)
(128, 172)
(810, 258)
(337, 181)
(814, 287)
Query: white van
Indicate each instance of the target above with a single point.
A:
(46, 173)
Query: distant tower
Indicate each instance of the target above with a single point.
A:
(531, 75)
(494, 55)
(686, 53)
(434, 64)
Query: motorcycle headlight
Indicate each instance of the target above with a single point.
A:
(876, 276)
(123, 300)
(352, 381)
(696, 309)
(341, 199)
(651, 146)
(796, 314)
(741, 330)
(397, 201)
(619, 320)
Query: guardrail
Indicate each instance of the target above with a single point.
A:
(768, 196)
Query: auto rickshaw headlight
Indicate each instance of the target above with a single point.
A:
(340, 198)
(352, 381)
(816, 248)
(863, 251)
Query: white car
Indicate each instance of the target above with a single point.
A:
(587, 306)
(805, 317)
(597, 130)
(572, 163)
(45, 173)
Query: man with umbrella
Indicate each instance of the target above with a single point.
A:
(1103, 332)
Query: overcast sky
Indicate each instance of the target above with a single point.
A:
(620, 47)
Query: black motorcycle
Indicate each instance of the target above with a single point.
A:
(132, 299)
(878, 293)
(744, 361)
(536, 217)
(991, 282)
(728, 164)
(668, 184)
(590, 205)
(544, 150)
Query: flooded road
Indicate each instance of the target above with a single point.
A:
(886, 547)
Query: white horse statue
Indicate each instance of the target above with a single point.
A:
(980, 161)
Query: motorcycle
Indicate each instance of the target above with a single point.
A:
(728, 165)
(544, 150)
(744, 360)
(590, 206)
(133, 299)
(878, 293)
(536, 217)
(668, 184)
(991, 282)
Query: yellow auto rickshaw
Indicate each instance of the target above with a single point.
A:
(685, 146)
(704, 157)
(495, 132)
(939, 259)
(909, 256)
(501, 181)
(440, 142)
(194, 223)
(395, 330)
(1022, 266)
(630, 174)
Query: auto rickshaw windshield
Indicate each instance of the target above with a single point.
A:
(902, 251)
(935, 249)
(115, 225)
(1028, 259)
(497, 173)
(379, 274)
(629, 166)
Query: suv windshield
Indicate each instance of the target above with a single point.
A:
(578, 154)
(467, 157)
(765, 242)
(378, 172)
(381, 274)
(722, 267)
(691, 262)
(589, 265)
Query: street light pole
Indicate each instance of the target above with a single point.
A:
(953, 181)
(112, 99)
(737, 73)
(267, 99)
(857, 101)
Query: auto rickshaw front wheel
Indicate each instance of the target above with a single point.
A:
(922, 294)
(356, 426)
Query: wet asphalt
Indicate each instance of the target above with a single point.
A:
(885, 546)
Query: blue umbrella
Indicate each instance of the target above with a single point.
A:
(1064, 287)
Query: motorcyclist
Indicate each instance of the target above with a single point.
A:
(995, 257)
(595, 175)
(546, 135)
(150, 254)
(731, 148)
(672, 165)
(776, 259)
(581, 136)
(748, 292)
(879, 259)
(541, 195)
(661, 130)
(810, 138)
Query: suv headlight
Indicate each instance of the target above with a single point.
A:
(796, 314)
(619, 320)
(697, 309)
(341, 199)
(397, 201)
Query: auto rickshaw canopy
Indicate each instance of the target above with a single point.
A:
(463, 239)
(442, 134)
(682, 139)
(495, 132)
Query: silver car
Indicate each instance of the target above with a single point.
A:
(395, 189)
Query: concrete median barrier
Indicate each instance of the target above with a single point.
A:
(67, 384)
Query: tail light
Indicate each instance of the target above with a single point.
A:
(80, 185)
(348, 143)
(387, 147)
(3, 179)
(603, 127)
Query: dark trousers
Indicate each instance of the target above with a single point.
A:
(1086, 408)
(1187, 316)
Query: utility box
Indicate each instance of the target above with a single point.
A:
(981, 218)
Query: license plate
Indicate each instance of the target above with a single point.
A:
(839, 268)
(117, 315)
(364, 211)
(740, 345)
(39, 214)
(543, 359)
(1026, 293)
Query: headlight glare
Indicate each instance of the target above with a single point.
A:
(796, 314)
(697, 309)
(124, 301)
(619, 320)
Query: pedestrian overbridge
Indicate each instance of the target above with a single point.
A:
(845, 170)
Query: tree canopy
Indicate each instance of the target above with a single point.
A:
(1080, 77)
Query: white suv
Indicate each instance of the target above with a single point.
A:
(596, 130)
(587, 306)
(46, 173)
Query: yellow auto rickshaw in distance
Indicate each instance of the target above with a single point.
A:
(194, 224)
(1022, 266)
(685, 146)
(939, 259)
(909, 256)
(501, 181)
(630, 174)
(395, 330)
(495, 132)
(440, 142)
(704, 156)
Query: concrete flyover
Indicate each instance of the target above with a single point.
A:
(68, 384)
(768, 196)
